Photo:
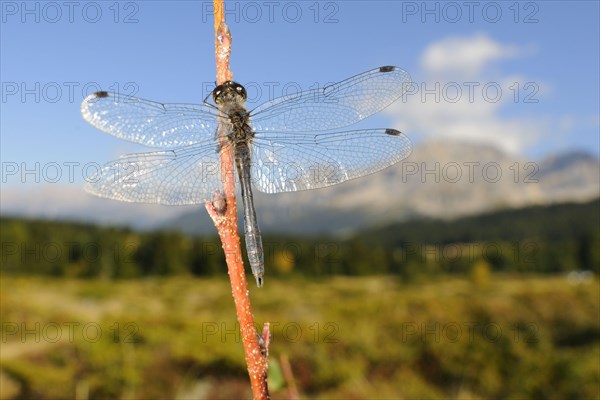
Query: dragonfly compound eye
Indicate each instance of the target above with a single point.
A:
(241, 91)
(217, 93)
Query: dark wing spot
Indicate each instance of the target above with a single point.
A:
(101, 94)
(393, 132)
(387, 68)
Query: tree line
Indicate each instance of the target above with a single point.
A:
(540, 239)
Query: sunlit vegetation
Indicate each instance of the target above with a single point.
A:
(367, 337)
(497, 306)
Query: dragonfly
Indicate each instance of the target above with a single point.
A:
(287, 144)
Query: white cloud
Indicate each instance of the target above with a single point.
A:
(457, 99)
(464, 56)
(478, 121)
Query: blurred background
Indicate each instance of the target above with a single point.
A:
(468, 270)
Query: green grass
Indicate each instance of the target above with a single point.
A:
(376, 337)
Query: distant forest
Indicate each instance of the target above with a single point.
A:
(540, 239)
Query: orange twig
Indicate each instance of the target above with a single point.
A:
(223, 212)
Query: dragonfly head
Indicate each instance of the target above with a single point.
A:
(229, 91)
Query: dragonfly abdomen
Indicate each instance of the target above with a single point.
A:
(254, 246)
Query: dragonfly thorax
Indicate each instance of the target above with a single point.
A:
(230, 97)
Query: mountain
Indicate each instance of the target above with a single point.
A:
(440, 180)
(571, 175)
(71, 203)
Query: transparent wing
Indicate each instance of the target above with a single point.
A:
(288, 162)
(176, 177)
(147, 122)
(334, 106)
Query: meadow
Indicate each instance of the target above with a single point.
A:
(481, 336)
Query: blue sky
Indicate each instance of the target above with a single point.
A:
(164, 50)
